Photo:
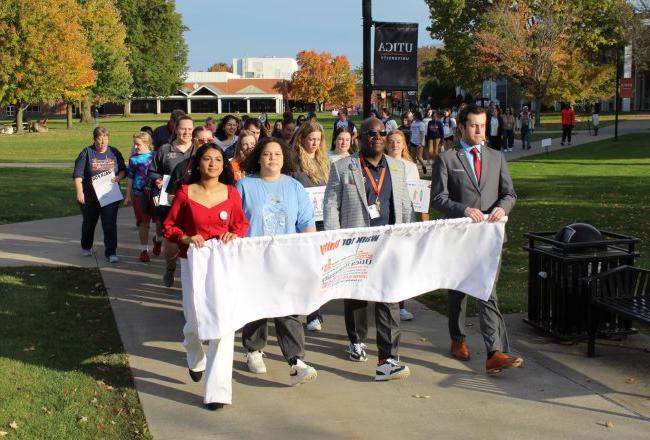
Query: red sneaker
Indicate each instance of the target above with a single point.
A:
(144, 257)
(156, 246)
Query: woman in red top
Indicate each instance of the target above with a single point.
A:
(209, 207)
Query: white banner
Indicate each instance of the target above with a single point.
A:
(263, 277)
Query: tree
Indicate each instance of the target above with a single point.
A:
(426, 55)
(158, 52)
(106, 36)
(640, 37)
(343, 82)
(220, 67)
(455, 22)
(546, 50)
(313, 80)
(43, 53)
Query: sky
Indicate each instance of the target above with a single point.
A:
(220, 30)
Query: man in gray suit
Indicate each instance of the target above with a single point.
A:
(369, 189)
(473, 181)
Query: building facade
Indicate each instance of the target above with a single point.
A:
(264, 68)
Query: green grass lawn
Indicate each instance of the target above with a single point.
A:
(551, 121)
(60, 144)
(65, 374)
(36, 193)
(606, 184)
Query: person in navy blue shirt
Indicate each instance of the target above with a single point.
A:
(93, 160)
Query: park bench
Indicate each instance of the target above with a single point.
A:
(625, 291)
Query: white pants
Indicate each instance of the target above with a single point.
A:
(217, 367)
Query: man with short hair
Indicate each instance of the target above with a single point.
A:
(379, 196)
(162, 134)
(254, 127)
(288, 129)
(472, 180)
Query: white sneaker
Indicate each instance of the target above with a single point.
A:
(405, 315)
(255, 362)
(314, 325)
(391, 369)
(302, 373)
(86, 252)
(357, 352)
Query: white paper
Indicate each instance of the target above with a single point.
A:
(420, 194)
(546, 142)
(316, 196)
(106, 190)
(163, 200)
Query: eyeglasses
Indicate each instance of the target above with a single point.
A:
(203, 141)
(375, 133)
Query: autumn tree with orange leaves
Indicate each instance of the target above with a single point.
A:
(44, 55)
(220, 67)
(322, 78)
(546, 52)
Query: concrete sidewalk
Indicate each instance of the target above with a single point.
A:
(559, 394)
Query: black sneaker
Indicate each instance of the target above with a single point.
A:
(168, 278)
(391, 369)
(358, 352)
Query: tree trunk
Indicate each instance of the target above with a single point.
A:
(19, 117)
(86, 116)
(68, 115)
(538, 112)
(127, 110)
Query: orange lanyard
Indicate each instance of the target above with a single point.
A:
(375, 187)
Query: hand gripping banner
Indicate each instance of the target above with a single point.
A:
(265, 277)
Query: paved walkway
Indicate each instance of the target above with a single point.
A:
(559, 394)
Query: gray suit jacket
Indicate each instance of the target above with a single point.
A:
(454, 185)
(345, 205)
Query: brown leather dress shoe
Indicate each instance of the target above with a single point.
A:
(460, 350)
(500, 361)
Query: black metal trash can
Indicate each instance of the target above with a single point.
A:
(557, 265)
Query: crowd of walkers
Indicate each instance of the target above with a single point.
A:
(247, 178)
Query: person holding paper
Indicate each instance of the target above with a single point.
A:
(473, 181)
(209, 207)
(369, 189)
(275, 204)
(164, 161)
(93, 161)
(312, 169)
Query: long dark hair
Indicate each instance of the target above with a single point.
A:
(226, 177)
(353, 141)
(221, 130)
(252, 162)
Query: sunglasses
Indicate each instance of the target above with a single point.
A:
(375, 133)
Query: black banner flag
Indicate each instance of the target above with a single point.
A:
(396, 56)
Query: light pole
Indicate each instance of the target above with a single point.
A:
(367, 85)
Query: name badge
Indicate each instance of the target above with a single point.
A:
(373, 210)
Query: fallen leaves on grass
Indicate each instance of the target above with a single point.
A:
(3, 433)
(46, 411)
(82, 419)
(30, 348)
(13, 425)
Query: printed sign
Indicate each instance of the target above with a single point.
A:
(420, 194)
(316, 196)
(106, 190)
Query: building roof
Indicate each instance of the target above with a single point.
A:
(241, 86)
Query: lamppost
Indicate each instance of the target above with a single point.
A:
(367, 85)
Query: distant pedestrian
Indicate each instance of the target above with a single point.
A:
(525, 125)
(568, 118)
(96, 116)
(416, 141)
(509, 123)
(595, 121)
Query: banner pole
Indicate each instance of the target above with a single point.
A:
(367, 85)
